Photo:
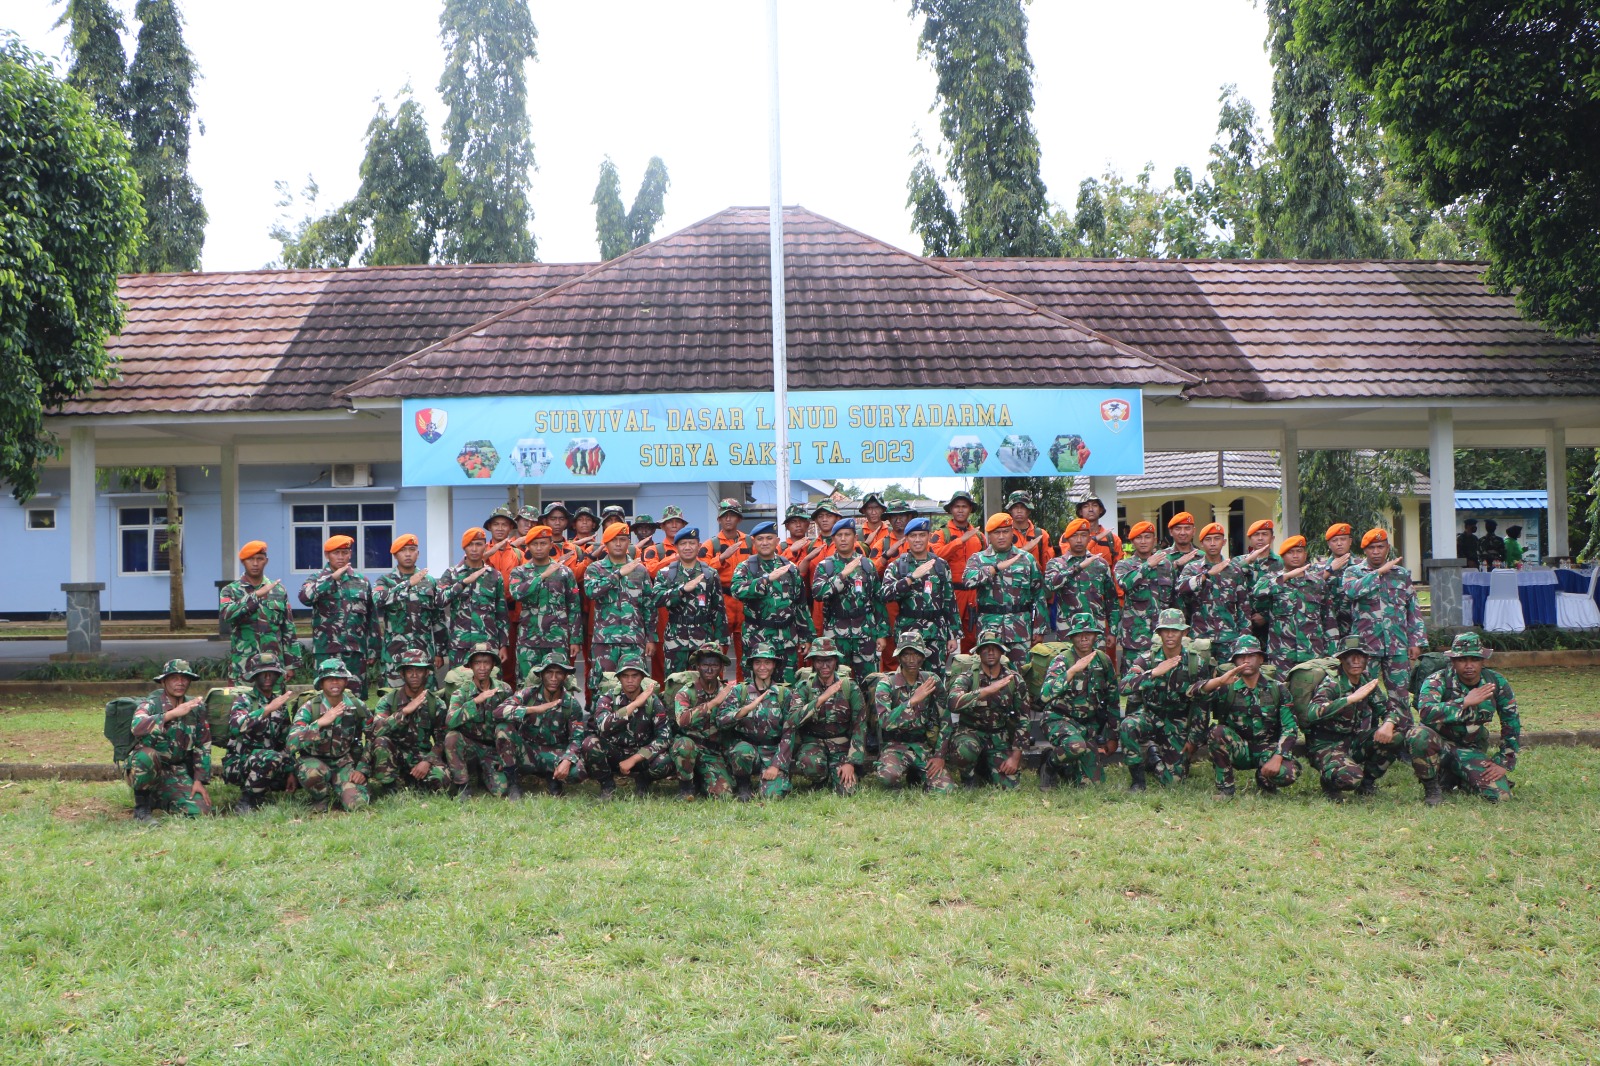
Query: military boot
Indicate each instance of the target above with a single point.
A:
(641, 786)
(248, 802)
(514, 790)
(554, 787)
(141, 806)
(608, 787)
(1368, 786)
(1432, 794)
(1226, 790)
(1136, 781)
(1333, 794)
(743, 781)
(686, 790)
(461, 792)
(1048, 778)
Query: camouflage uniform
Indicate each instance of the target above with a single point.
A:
(1301, 623)
(168, 758)
(699, 749)
(402, 741)
(911, 735)
(1146, 590)
(1082, 584)
(487, 733)
(1385, 616)
(776, 613)
(1340, 735)
(1163, 714)
(693, 618)
(982, 731)
(410, 619)
(624, 615)
(852, 613)
(257, 758)
(1252, 725)
(474, 611)
(926, 605)
(1219, 604)
(1010, 601)
(1081, 710)
(257, 625)
(344, 624)
(611, 738)
(1169, 574)
(820, 738)
(552, 613)
(756, 736)
(553, 736)
(1455, 742)
(1322, 566)
(327, 757)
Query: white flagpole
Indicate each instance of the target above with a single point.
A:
(780, 366)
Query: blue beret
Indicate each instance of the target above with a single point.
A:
(918, 525)
(688, 531)
(764, 527)
(848, 523)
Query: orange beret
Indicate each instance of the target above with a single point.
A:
(1291, 542)
(1373, 534)
(1338, 529)
(1182, 518)
(337, 541)
(998, 521)
(255, 547)
(402, 541)
(535, 532)
(613, 531)
(1077, 525)
(1257, 527)
(475, 533)
(1141, 528)
(1212, 527)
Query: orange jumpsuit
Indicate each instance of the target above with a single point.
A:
(744, 549)
(655, 556)
(947, 545)
(504, 557)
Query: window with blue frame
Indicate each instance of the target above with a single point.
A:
(142, 540)
(370, 525)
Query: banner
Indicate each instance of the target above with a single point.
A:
(728, 436)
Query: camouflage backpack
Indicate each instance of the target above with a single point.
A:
(1039, 658)
(1303, 681)
(1430, 663)
(119, 726)
(1198, 656)
(219, 701)
(676, 683)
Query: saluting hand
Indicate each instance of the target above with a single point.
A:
(1296, 572)
(1479, 694)
(416, 578)
(182, 710)
(924, 570)
(1167, 666)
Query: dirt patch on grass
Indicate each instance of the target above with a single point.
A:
(91, 807)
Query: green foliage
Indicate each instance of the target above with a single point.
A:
(160, 104)
(1590, 551)
(488, 158)
(620, 229)
(99, 64)
(1362, 488)
(316, 241)
(1493, 101)
(932, 217)
(69, 222)
(649, 203)
(1534, 638)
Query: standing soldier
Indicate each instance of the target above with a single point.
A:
(643, 527)
(1254, 727)
(1219, 590)
(584, 535)
(407, 602)
(407, 729)
(1260, 562)
(918, 583)
(1339, 538)
(1384, 613)
(913, 714)
(1035, 540)
(171, 758)
(631, 733)
(725, 552)
(256, 612)
(329, 742)
(257, 759)
(774, 598)
(619, 588)
(503, 555)
(552, 608)
(558, 518)
(344, 625)
(796, 523)
(825, 737)
(691, 593)
(1081, 706)
(1102, 541)
(826, 516)
(471, 600)
(527, 518)
(554, 728)
(1177, 555)
(753, 720)
(1082, 584)
(1355, 728)
(955, 544)
(1010, 591)
(899, 515)
(1164, 719)
(1297, 605)
(872, 532)
(1456, 706)
(1146, 585)
(846, 584)
(655, 556)
(699, 747)
(988, 704)
(482, 725)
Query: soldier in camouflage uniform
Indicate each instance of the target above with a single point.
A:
(170, 761)
(699, 745)
(344, 624)
(913, 715)
(256, 612)
(920, 583)
(1219, 593)
(1455, 706)
(1146, 584)
(988, 705)
(1010, 590)
(473, 601)
(407, 729)
(256, 758)
(825, 737)
(846, 584)
(1255, 728)
(630, 734)
(1384, 612)
(1172, 559)
(1297, 606)
(407, 604)
(554, 727)
(1082, 584)
(483, 725)
(1331, 566)
(691, 592)
(776, 606)
(329, 742)
(624, 606)
(1164, 719)
(753, 720)
(1355, 728)
(552, 605)
(1081, 706)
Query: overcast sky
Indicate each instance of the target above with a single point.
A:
(287, 90)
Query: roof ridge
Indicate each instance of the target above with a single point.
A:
(327, 271)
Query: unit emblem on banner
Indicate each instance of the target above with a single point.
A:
(1114, 413)
(431, 422)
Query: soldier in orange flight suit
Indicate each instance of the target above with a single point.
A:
(502, 554)
(825, 515)
(957, 540)
(656, 554)
(724, 552)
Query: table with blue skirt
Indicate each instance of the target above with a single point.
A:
(1577, 581)
(1535, 588)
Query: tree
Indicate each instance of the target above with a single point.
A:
(1359, 487)
(160, 104)
(99, 64)
(488, 148)
(618, 229)
(69, 223)
(1498, 102)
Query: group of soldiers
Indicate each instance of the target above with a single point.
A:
(875, 646)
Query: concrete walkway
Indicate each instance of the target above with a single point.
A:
(19, 655)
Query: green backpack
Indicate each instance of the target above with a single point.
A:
(1040, 656)
(119, 726)
(1430, 663)
(219, 701)
(1303, 681)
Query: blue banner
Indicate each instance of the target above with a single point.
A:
(728, 436)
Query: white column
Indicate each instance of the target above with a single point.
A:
(81, 486)
(1105, 487)
(1289, 462)
(228, 476)
(1555, 483)
(1411, 510)
(1442, 474)
(438, 537)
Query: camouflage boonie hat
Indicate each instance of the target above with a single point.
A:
(1350, 644)
(552, 506)
(1468, 646)
(644, 520)
(1171, 618)
(871, 497)
(585, 509)
(265, 663)
(552, 660)
(901, 507)
(823, 648)
(528, 512)
(1082, 622)
(989, 636)
(500, 512)
(177, 668)
(670, 512)
(1246, 645)
(910, 642)
(607, 512)
(728, 504)
(334, 668)
(481, 648)
(713, 649)
(632, 660)
(1024, 498)
(413, 657)
(962, 495)
(797, 510)
(825, 506)
(765, 650)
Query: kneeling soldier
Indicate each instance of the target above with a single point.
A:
(988, 704)
(698, 744)
(329, 742)
(753, 719)
(481, 726)
(1081, 706)
(825, 737)
(1356, 728)
(1455, 705)
(914, 716)
(408, 728)
(553, 727)
(258, 734)
(631, 733)
(1164, 719)
(171, 758)
(1255, 727)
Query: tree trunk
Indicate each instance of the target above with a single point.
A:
(177, 618)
